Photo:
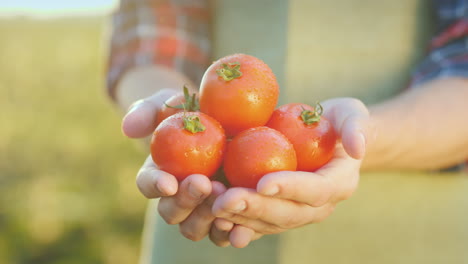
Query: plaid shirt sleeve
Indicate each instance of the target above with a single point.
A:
(172, 33)
(448, 49)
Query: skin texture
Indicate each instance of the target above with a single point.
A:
(243, 102)
(424, 138)
(180, 152)
(314, 143)
(256, 152)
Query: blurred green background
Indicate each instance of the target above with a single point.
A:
(67, 174)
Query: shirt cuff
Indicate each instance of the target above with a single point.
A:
(447, 56)
(174, 34)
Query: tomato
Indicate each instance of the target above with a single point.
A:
(188, 143)
(311, 134)
(256, 152)
(240, 91)
(178, 103)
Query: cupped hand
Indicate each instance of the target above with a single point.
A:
(287, 200)
(187, 203)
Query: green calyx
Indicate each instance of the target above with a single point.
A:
(193, 124)
(229, 71)
(191, 102)
(312, 117)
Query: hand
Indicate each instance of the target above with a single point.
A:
(286, 200)
(187, 204)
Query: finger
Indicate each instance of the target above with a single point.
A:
(353, 136)
(192, 192)
(219, 237)
(241, 236)
(329, 183)
(350, 118)
(140, 121)
(264, 228)
(303, 187)
(258, 226)
(223, 224)
(342, 173)
(256, 236)
(248, 203)
(198, 223)
(154, 183)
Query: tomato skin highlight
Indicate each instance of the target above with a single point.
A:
(182, 153)
(255, 152)
(243, 102)
(314, 143)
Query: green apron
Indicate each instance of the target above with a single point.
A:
(323, 49)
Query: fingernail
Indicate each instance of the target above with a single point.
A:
(239, 207)
(161, 189)
(194, 192)
(271, 191)
(224, 225)
(363, 142)
(135, 106)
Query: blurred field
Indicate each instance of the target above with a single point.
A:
(67, 191)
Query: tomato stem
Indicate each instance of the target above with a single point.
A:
(229, 71)
(193, 124)
(191, 103)
(311, 117)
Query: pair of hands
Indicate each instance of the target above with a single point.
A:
(282, 200)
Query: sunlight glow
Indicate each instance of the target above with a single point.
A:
(53, 8)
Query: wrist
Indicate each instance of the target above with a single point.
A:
(142, 82)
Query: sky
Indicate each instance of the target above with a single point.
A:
(53, 8)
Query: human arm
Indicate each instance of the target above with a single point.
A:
(287, 200)
(382, 133)
(433, 109)
(151, 49)
(424, 128)
(153, 55)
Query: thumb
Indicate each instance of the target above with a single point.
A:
(140, 120)
(354, 136)
(350, 118)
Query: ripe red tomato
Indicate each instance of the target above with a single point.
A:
(256, 152)
(240, 91)
(312, 136)
(178, 103)
(188, 143)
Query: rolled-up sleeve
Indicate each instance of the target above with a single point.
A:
(448, 49)
(170, 33)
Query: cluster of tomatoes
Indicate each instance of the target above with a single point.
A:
(234, 126)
